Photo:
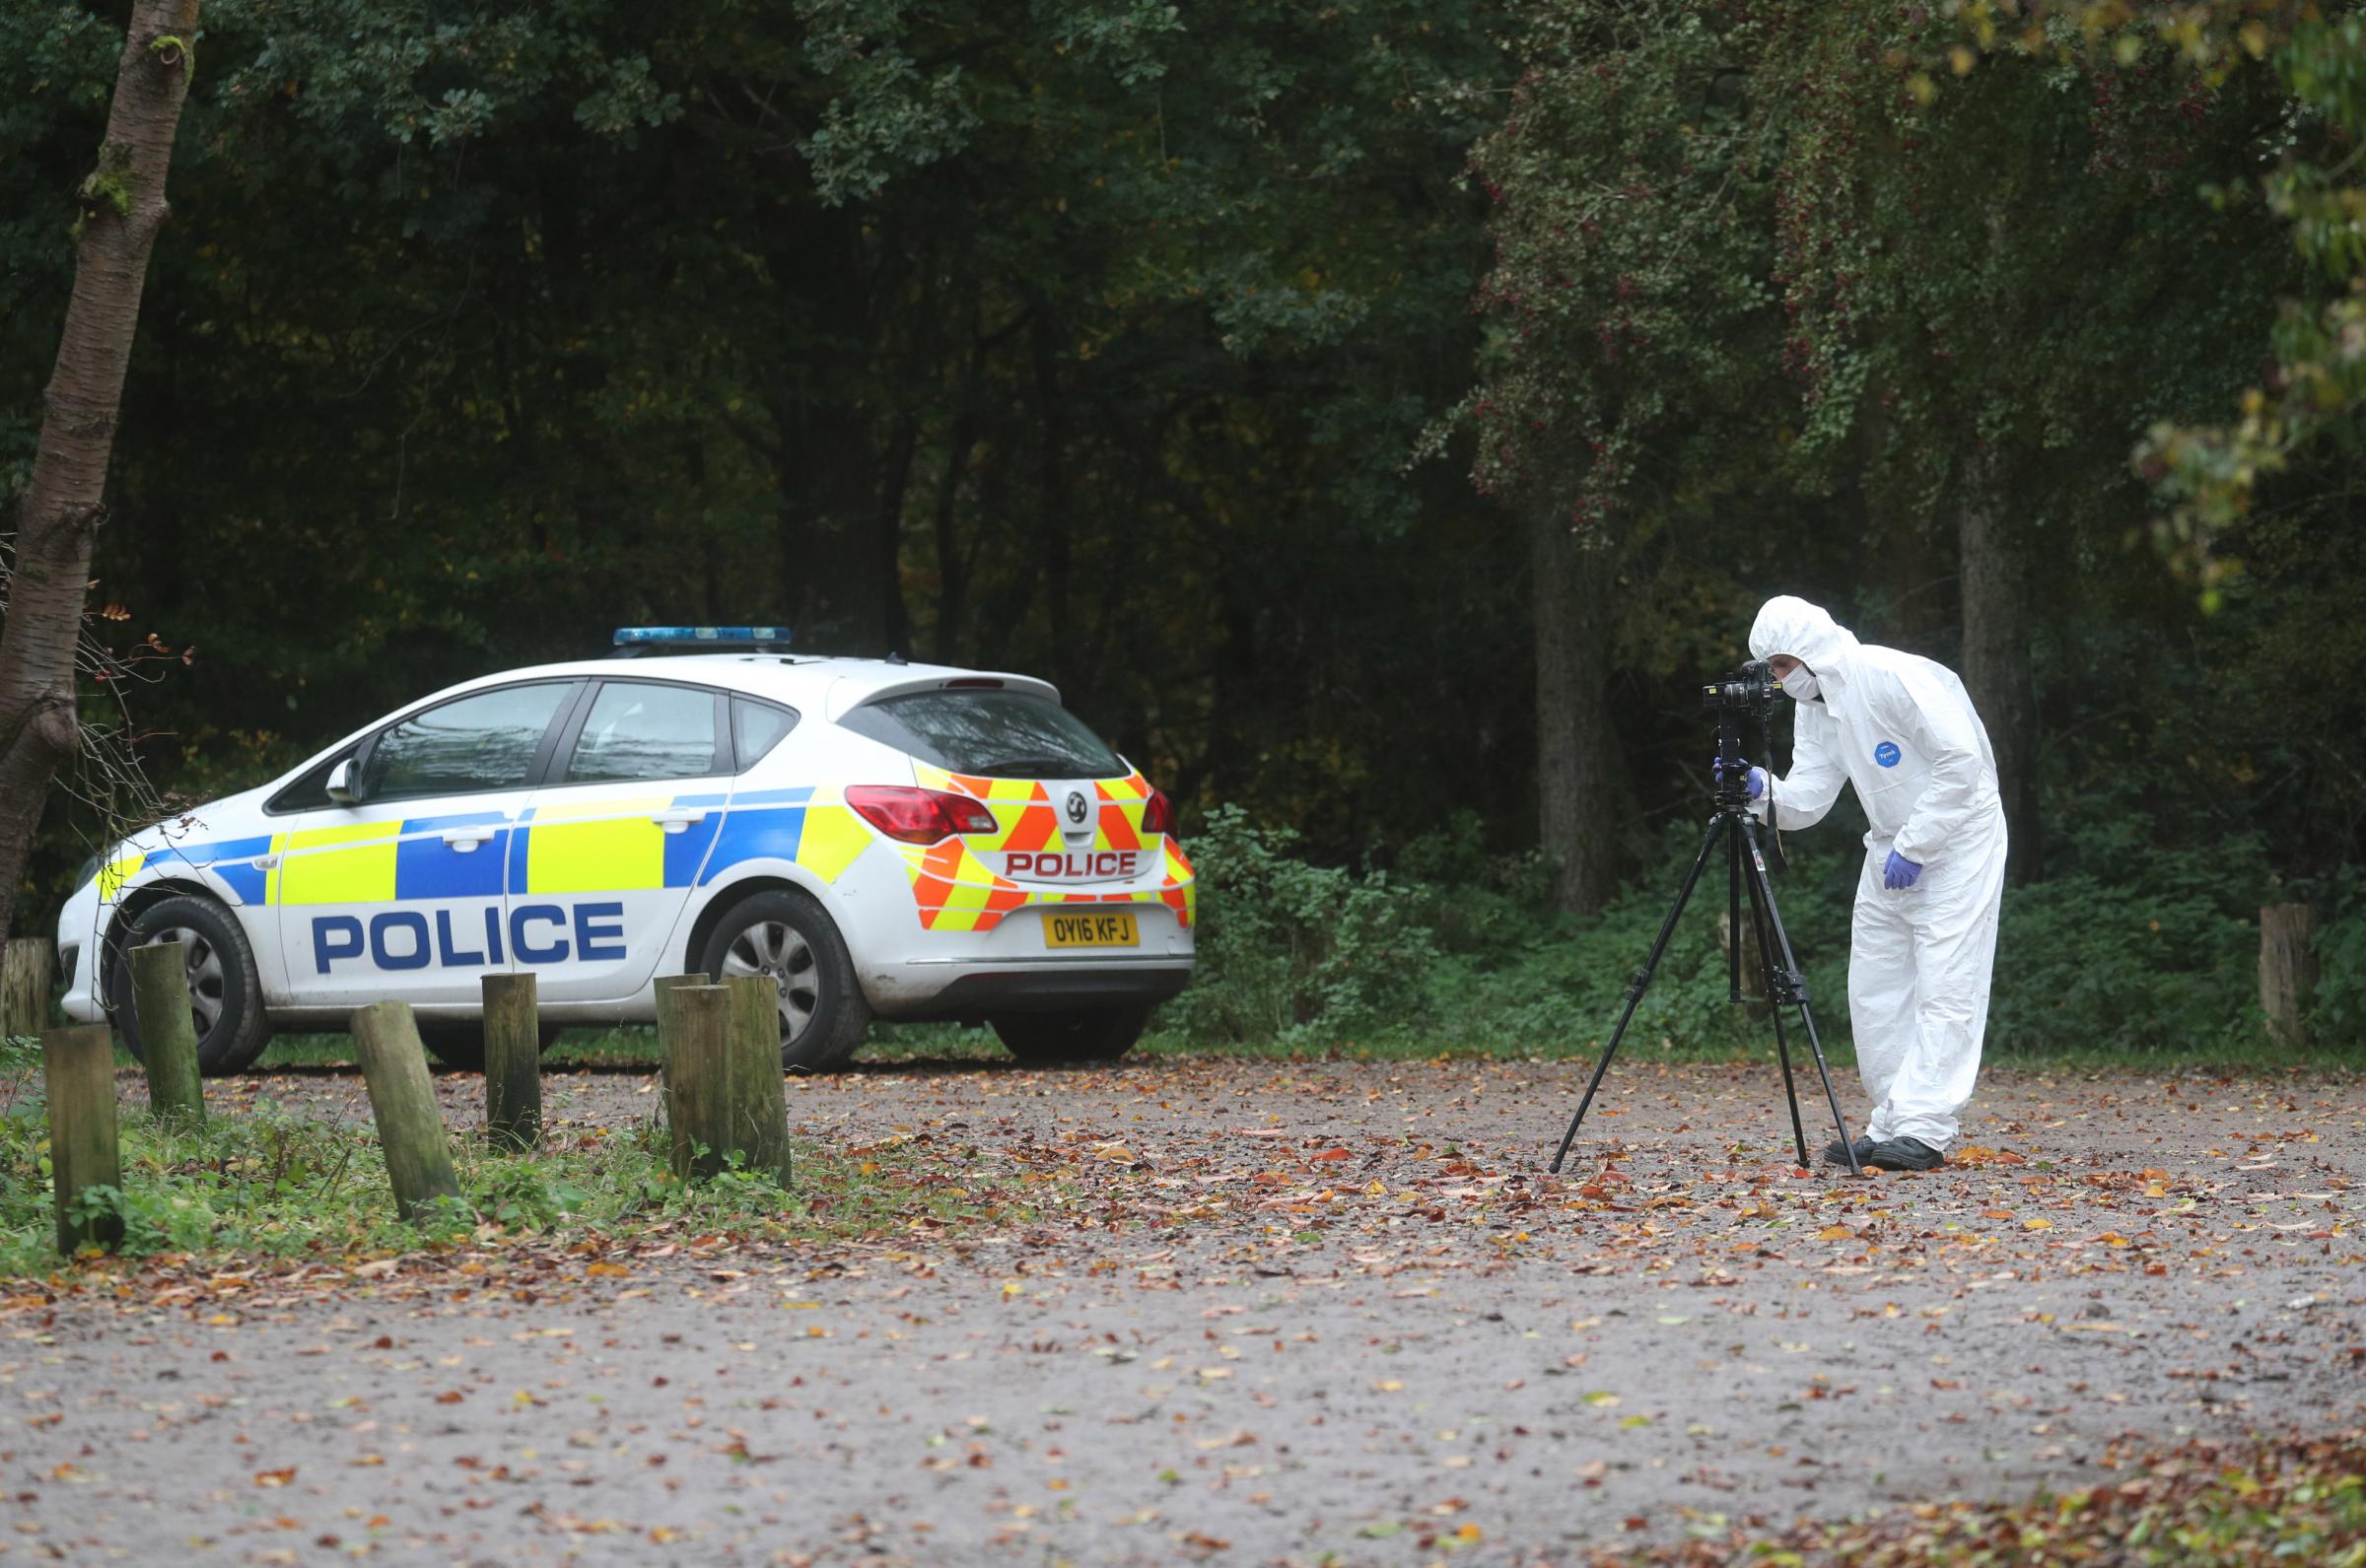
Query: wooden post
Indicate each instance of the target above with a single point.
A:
(160, 997)
(78, 1074)
(24, 973)
(759, 1119)
(513, 1062)
(698, 1077)
(2287, 970)
(403, 1097)
(1753, 971)
(664, 987)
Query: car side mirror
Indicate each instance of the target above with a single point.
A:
(340, 785)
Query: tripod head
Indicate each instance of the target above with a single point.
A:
(1744, 704)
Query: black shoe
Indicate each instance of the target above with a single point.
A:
(1836, 1153)
(1905, 1154)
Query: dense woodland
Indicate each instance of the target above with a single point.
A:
(1377, 418)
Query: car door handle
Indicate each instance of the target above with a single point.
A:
(465, 840)
(679, 821)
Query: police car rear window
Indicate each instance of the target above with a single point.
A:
(758, 727)
(988, 734)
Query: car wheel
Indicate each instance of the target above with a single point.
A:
(787, 937)
(226, 993)
(460, 1043)
(1095, 1033)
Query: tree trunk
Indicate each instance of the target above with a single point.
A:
(1579, 774)
(1995, 657)
(122, 207)
(887, 538)
(1052, 540)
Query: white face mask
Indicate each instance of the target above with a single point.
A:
(1800, 683)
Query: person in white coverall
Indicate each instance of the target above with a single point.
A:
(1902, 729)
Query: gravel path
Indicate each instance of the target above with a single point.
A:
(1269, 1312)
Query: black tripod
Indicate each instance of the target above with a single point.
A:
(1745, 864)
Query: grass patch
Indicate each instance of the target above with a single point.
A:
(275, 1184)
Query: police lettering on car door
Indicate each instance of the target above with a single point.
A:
(405, 939)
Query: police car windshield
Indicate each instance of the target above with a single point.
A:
(988, 734)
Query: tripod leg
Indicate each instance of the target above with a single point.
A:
(1783, 1048)
(1797, 991)
(1634, 990)
(1734, 917)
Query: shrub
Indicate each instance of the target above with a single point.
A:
(2131, 950)
(1288, 950)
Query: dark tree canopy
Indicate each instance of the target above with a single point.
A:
(1157, 352)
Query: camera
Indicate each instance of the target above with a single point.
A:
(1749, 690)
(1744, 704)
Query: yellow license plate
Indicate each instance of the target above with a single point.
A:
(1112, 929)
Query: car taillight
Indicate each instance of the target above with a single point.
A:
(918, 816)
(1158, 814)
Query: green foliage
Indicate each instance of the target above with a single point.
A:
(1631, 185)
(2123, 968)
(1291, 951)
(2340, 1012)
(2142, 952)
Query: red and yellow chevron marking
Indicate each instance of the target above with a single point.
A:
(956, 892)
(1179, 890)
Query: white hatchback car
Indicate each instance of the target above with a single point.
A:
(883, 838)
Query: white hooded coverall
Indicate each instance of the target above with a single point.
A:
(1903, 730)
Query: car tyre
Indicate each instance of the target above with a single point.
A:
(460, 1043)
(788, 936)
(226, 990)
(1093, 1034)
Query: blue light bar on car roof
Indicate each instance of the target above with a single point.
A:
(680, 635)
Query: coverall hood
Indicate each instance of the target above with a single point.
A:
(1807, 633)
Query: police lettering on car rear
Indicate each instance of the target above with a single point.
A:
(880, 839)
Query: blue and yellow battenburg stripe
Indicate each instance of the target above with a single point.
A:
(600, 847)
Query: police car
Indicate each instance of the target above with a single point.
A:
(881, 838)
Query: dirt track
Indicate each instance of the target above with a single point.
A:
(1266, 1311)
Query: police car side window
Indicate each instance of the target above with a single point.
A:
(310, 792)
(757, 727)
(641, 730)
(474, 743)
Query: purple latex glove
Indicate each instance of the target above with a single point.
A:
(1755, 784)
(1899, 872)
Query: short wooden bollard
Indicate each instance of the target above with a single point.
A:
(78, 1074)
(513, 1062)
(2287, 970)
(663, 987)
(694, 1027)
(410, 1129)
(1753, 969)
(24, 970)
(160, 998)
(759, 1118)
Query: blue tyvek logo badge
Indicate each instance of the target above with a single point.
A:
(1887, 754)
